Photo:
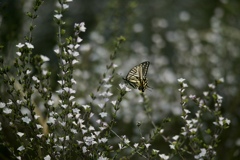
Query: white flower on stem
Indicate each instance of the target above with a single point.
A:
(47, 157)
(114, 102)
(212, 86)
(175, 137)
(65, 6)
(26, 119)
(85, 106)
(19, 53)
(34, 78)
(58, 16)
(44, 58)
(29, 45)
(2, 105)
(100, 105)
(21, 148)
(103, 114)
(147, 145)
(82, 27)
(7, 110)
(19, 45)
(201, 154)
(163, 156)
(180, 80)
(20, 134)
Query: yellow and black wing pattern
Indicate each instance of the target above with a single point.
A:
(137, 76)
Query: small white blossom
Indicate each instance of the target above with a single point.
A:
(163, 156)
(175, 137)
(51, 120)
(26, 119)
(20, 134)
(19, 45)
(57, 50)
(114, 102)
(85, 106)
(29, 45)
(103, 114)
(39, 126)
(147, 145)
(185, 85)
(58, 16)
(205, 93)
(47, 157)
(82, 27)
(7, 110)
(34, 78)
(180, 80)
(79, 40)
(44, 58)
(21, 148)
(18, 53)
(2, 105)
(74, 61)
(135, 145)
(74, 131)
(201, 154)
(102, 158)
(101, 105)
(65, 6)
(212, 86)
(221, 80)
(28, 72)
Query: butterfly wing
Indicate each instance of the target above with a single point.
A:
(136, 77)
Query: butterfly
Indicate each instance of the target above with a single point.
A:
(136, 77)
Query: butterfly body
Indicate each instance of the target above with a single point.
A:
(136, 77)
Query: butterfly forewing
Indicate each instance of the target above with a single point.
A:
(136, 77)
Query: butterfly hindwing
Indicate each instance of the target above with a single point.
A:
(136, 77)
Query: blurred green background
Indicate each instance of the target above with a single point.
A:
(196, 40)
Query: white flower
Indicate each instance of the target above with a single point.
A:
(19, 45)
(51, 120)
(163, 156)
(57, 50)
(65, 6)
(39, 126)
(21, 148)
(28, 72)
(180, 80)
(20, 134)
(2, 105)
(44, 58)
(19, 53)
(185, 85)
(7, 110)
(26, 119)
(29, 45)
(201, 154)
(82, 27)
(175, 137)
(34, 78)
(103, 114)
(58, 16)
(47, 157)
(114, 102)
(74, 61)
(147, 145)
(100, 105)
(79, 40)
(102, 158)
(85, 106)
